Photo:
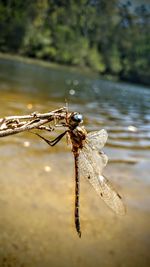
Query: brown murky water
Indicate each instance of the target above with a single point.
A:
(37, 182)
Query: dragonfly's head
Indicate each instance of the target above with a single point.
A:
(75, 119)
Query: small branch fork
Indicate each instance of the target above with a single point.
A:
(17, 124)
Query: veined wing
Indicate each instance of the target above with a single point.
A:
(97, 139)
(96, 160)
(91, 164)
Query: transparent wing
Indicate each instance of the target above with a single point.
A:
(91, 164)
(94, 159)
(97, 139)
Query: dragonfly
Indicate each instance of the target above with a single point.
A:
(89, 161)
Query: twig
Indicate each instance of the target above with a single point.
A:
(16, 124)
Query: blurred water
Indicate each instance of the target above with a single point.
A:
(122, 109)
(36, 181)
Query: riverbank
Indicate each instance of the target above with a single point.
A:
(84, 69)
(46, 64)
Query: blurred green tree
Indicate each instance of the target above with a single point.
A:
(107, 36)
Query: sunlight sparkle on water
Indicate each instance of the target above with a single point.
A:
(132, 128)
(72, 92)
(47, 168)
(29, 106)
(26, 144)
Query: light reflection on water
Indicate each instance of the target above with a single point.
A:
(122, 109)
(36, 186)
(107, 104)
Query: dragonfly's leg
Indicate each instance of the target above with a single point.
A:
(77, 191)
(53, 142)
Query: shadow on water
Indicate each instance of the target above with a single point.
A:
(37, 182)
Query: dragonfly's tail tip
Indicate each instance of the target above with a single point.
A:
(79, 234)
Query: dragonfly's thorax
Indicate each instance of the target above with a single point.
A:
(78, 136)
(77, 133)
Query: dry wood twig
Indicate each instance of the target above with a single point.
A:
(17, 124)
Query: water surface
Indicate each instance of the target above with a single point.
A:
(37, 182)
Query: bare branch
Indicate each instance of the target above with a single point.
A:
(16, 124)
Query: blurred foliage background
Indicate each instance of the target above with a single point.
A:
(110, 37)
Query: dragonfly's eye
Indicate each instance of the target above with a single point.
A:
(77, 117)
